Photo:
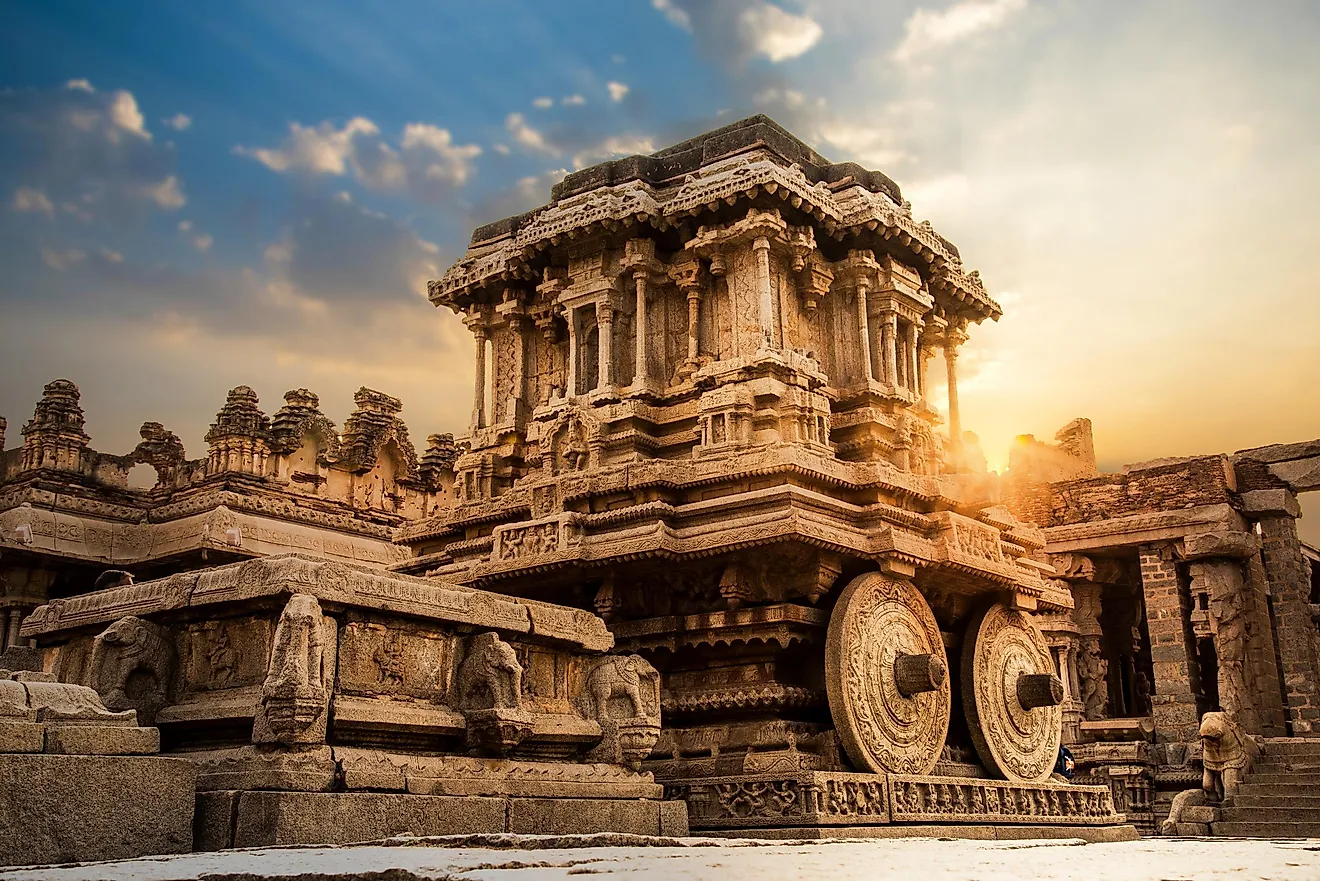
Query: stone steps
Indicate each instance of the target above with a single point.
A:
(1278, 802)
(1280, 798)
(1274, 789)
(1252, 814)
(1292, 778)
(1272, 829)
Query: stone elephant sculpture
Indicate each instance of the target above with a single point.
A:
(131, 667)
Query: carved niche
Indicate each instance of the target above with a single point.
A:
(132, 667)
(488, 692)
(623, 695)
(296, 694)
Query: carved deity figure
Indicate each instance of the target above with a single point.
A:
(131, 665)
(294, 692)
(1092, 668)
(1227, 754)
(1227, 610)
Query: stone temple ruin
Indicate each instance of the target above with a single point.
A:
(709, 557)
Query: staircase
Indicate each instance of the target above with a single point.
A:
(1281, 796)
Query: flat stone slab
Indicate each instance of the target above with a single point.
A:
(510, 857)
(60, 808)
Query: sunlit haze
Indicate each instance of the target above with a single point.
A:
(197, 196)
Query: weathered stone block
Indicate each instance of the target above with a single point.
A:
(101, 740)
(1200, 814)
(57, 809)
(21, 737)
(268, 818)
(555, 816)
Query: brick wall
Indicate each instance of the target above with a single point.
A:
(1181, 484)
(1290, 587)
(1173, 703)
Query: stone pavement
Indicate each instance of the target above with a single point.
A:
(544, 857)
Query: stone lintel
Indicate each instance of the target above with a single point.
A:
(1224, 545)
(1139, 529)
(1271, 503)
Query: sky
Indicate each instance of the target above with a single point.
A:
(196, 196)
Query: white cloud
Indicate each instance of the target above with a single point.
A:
(202, 242)
(543, 102)
(524, 134)
(626, 145)
(426, 162)
(446, 161)
(179, 122)
(79, 86)
(185, 225)
(34, 200)
(125, 114)
(618, 91)
(573, 101)
(112, 256)
(61, 260)
(776, 34)
(927, 31)
(875, 146)
(675, 15)
(323, 149)
(502, 149)
(168, 194)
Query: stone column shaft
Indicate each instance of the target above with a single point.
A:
(605, 344)
(890, 342)
(863, 289)
(15, 622)
(479, 392)
(767, 303)
(694, 323)
(911, 353)
(639, 371)
(572, 354)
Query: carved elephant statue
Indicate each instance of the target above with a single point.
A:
(131, 667)
(620, 676)
(490, 676)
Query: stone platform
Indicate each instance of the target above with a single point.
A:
(827, 804)
(323, 703)
(255, 819)
(81, 782)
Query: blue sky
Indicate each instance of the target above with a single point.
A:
(194, 196)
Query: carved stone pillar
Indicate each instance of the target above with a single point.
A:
(640, 376)
(481, 335)
(572, 390)
(954, 338)
(1092, 666)
(889, 339)
(605, 343)
(912, 367)
(863, 289)
(687, 276)
(761, 247)
(924, 354)
(15, 616)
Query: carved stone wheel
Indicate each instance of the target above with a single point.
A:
(1011, 695)
(886, 676)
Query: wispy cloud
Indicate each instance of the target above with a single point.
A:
(426, 161)
(927, 31)
(618, 91)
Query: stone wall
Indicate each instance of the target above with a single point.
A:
(1158, 486)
